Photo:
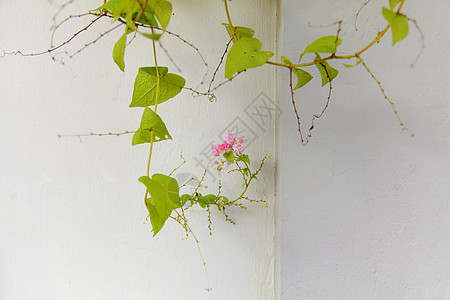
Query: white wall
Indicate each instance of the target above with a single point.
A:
(365, 207)
(71, 213)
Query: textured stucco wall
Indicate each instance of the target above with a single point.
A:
(365, 208)
(71, 213)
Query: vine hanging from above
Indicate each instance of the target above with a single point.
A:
(154, 85)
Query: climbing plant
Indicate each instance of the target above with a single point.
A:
(155, 84)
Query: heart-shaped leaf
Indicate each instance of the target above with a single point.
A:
(150, 122)
(399, 25)
(229, 156)
(303, 77)
(119, 51)
(325, 44)
(123, 8)
(164, 192)
(244, 54)
(146, 87)
(239, 31)
(162, 9)
(393, 3)
(327, 72)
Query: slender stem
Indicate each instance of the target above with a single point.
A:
(52, 49)
(294, 105)
(198, 247)
(376, 40)
(277, 64)
(333, 56)
(247, 184)
(385, 95)
(218, 66)
(156, 106)
(184, 161)
(229, 20)
(95, 134)
(143, 7)
(201, 257)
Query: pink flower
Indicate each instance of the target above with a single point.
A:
(229, 144)
(239, 149)
(230, 139)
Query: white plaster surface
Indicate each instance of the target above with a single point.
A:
(71, 213)
(365, 207)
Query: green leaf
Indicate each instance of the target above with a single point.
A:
(393, 3)
(223, 200)
(358, 61)
(210, 199)
(285, 60)
(246, 159)
(399, 25)
(327, 72)
(156, 219)
(242, 32)
(201, 202)
(150, 122)
(152, 36)
(326, 44)
(245, 54)
(141, 137)
(145, 86)
(184, 198)
(148, 18)
(164, 192)
(229, 156)
(245, 171)
(110, 5)
(239, 31)
(119, 51)
(162, 10)
(303, 77)
(125, 8)
(162, 187)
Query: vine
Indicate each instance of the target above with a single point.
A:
(154, 85)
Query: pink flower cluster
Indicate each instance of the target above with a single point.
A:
(228, 145)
